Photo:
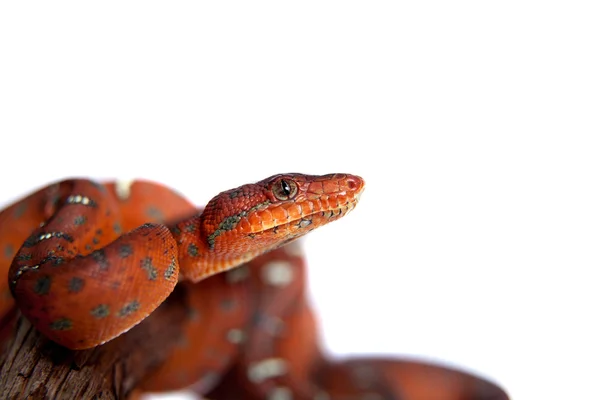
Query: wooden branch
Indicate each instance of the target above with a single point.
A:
(33, 367)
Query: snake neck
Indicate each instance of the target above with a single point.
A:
(197, 258)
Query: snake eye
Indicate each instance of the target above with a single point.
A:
(285, 189)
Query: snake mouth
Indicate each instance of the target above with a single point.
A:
(311, 215)
(335, 212)
(286, 232)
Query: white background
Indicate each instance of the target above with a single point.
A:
(475, 125)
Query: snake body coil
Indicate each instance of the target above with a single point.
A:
(86, 262)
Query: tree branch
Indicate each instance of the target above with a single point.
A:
(33, 367)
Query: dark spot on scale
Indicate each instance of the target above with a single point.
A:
(150, 269)
(176, 231)
(31, 241)
(88, 247)
(100, 257)
(117, 228)
(272, 325)
(42, 285)
(55, 260)
(170, 269)
(9, 251)
(100, 311)
(76, 284)
(230, 222)
(79, 220)
(155, 213)
(182, 343)
(256, 318)
(190, 228)
(125, 250)
(65, 236)
(23, 257)
(95, 240)
(61, 324)
(129, 308)
(227, 304)
(193, 250)
(192, 314)
(98, 231)
(20, 210)
(234, 194)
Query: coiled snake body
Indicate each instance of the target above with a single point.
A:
(86, 262)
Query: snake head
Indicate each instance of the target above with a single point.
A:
(239, 224)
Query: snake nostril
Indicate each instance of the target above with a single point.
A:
(354, 182)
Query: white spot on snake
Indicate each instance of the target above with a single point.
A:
(305, 222)
(123, 188)
(79, 199)
(269, 368)
(22, 269)
(280, 393)
(278, 273)
(235, 336)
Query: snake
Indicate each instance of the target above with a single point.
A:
(87, 261)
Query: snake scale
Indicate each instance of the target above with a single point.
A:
(87, 261)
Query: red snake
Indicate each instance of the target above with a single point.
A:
(86, 262)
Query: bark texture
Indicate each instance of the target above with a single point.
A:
(33, 367)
